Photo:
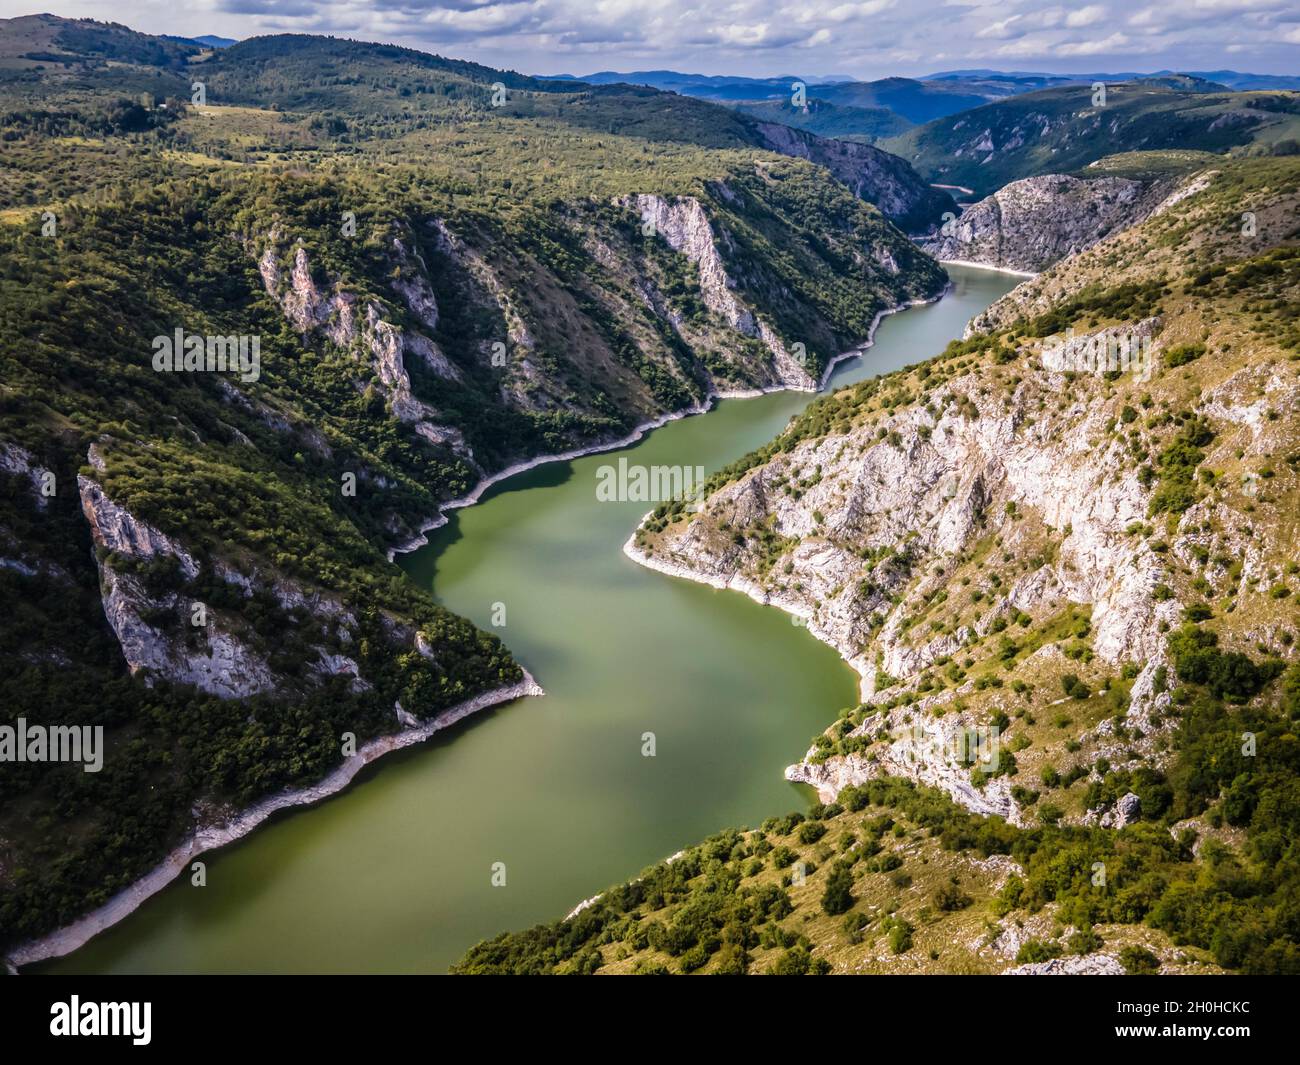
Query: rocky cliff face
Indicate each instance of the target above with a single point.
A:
(151, 587)
(682, 305)
(221, 664)
(874, 175)
(1031, 224)
(333, 313)
(685, 226)
(883, 514)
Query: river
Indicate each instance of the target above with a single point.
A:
(553, 794)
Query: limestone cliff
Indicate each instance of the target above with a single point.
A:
(1003, 537)
(1032, 223)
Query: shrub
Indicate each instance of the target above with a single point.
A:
(1138, 961)
(949, 897)
(794, 962)
(838, 897)
(1037, 950)
(1198, 660)
(811, 832)
(899, 933)
(1074, 687)
(1182, 354)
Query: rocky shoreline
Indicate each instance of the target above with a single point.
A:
(988, 266)
(212, 837)
(995, 800)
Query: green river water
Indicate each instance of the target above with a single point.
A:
(395, 874)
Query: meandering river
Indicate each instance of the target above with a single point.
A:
(553, 793)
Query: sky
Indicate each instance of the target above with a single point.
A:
(875, 38)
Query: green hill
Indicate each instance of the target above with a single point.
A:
(1059, 130)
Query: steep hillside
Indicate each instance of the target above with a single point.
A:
(1032, 223)
(1060, 130)
(871, 174)
(1060, 555)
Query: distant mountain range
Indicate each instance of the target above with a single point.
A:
(1061, 129)
(1233, 79)
(913, 100)
(917, 100)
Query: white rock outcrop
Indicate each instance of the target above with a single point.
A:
(684, 225)
(1032, 223)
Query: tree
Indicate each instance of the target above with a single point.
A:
(838, 895)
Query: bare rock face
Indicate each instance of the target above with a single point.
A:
(304, 304)
(335, 315)
(522, 375)
(17, 460)
(925, 485)
(684, 225)
(1031, 224)
(222, 666)
(920, 754)
(876, 176)
(1127, 810)
(115, 528)
(414, 287)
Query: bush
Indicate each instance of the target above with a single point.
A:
(1037, 950)
(794, 962)
(1182, 354)
(1084, 941)
(838, 897)
(899, 933)
(811, 832)
(1074, 687)
(1138, 961)
(949, 897)
(1198, 660)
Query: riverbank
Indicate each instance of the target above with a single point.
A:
(925, 770)
(916, 761)
(513, 470)
(986, 266)
(213, 837)
(739, 583)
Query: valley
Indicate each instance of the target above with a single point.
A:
(555, 787)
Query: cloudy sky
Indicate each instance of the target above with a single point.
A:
(762, 37)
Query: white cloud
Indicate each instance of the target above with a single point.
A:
(1086, 16)
(863, 38)
(1115, 44)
